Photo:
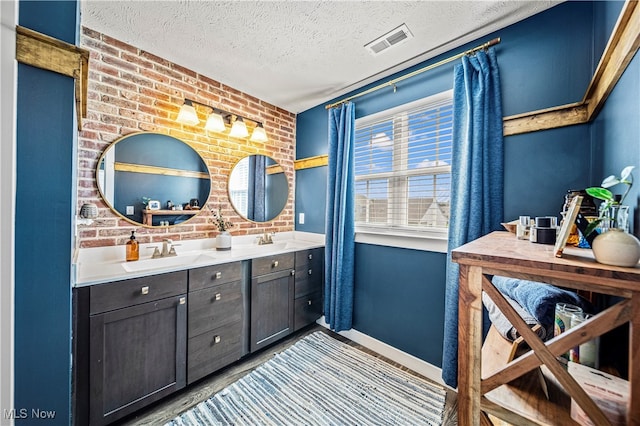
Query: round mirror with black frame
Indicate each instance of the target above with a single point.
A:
(258, 188)
(152, 179)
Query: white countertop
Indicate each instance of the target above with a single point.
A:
(105, 264)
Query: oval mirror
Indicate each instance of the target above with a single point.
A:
(258, 188)
(152, 179)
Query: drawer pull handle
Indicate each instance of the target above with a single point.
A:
(274, 264)
(310, 256)
(183, 300)
(309, 302)
(218, 275)
(216, 339)
(218, 296)
(145, 290)
(310, 271)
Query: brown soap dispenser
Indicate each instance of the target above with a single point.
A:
(133, 252)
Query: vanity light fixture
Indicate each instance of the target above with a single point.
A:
(239, 129)
(187, 114)
(218, 119)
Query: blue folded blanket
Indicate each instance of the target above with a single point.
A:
(504, 326)
(539, 299)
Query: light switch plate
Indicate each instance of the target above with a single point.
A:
(301, 218)
(130, 210)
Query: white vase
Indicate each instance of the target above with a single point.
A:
(616, 247)
(223, 241)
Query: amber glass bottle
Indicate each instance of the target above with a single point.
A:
(132, 248)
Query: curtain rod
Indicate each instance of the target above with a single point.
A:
(416, 72)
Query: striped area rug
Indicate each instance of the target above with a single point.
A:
(322, 381)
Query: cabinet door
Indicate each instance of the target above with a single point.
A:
(271, 308)
(137, 356)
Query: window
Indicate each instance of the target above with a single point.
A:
(238, 186)
(403, 168)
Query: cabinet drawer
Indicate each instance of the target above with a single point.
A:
(213, 350)
(214, 307)
(307, 281)
(313, 256)
(275, 263)
(307, 310)
(214, 275)
(120, 294)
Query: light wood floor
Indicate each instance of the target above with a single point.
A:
(174, 405)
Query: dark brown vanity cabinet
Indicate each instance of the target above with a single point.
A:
(272, 287)
(309, 267)
(130, 345)
(216, 326)
(136, 341)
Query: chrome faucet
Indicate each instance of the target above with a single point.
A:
(266, 238)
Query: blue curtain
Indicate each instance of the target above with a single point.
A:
(257, 188)
(340, 228)
(476, 178)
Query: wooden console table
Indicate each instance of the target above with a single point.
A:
(501, 253)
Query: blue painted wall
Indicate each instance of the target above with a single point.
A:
(616, 130)
(391, 307)
(545, 61)
(45, 196)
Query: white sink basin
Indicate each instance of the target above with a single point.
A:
(167, 262)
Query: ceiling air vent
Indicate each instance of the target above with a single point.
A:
(392, 38)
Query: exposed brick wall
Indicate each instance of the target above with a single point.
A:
(131, 90)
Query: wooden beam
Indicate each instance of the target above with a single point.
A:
(310, 162)
(550, 118)
(275, 169)
(155, 170)
(45, 52)
(622, 46)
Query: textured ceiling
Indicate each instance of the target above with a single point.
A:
(298, 54)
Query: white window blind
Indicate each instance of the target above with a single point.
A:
(239, 186)
(403, 166)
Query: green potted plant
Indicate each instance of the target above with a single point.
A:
(609, 200)
(614, 245)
